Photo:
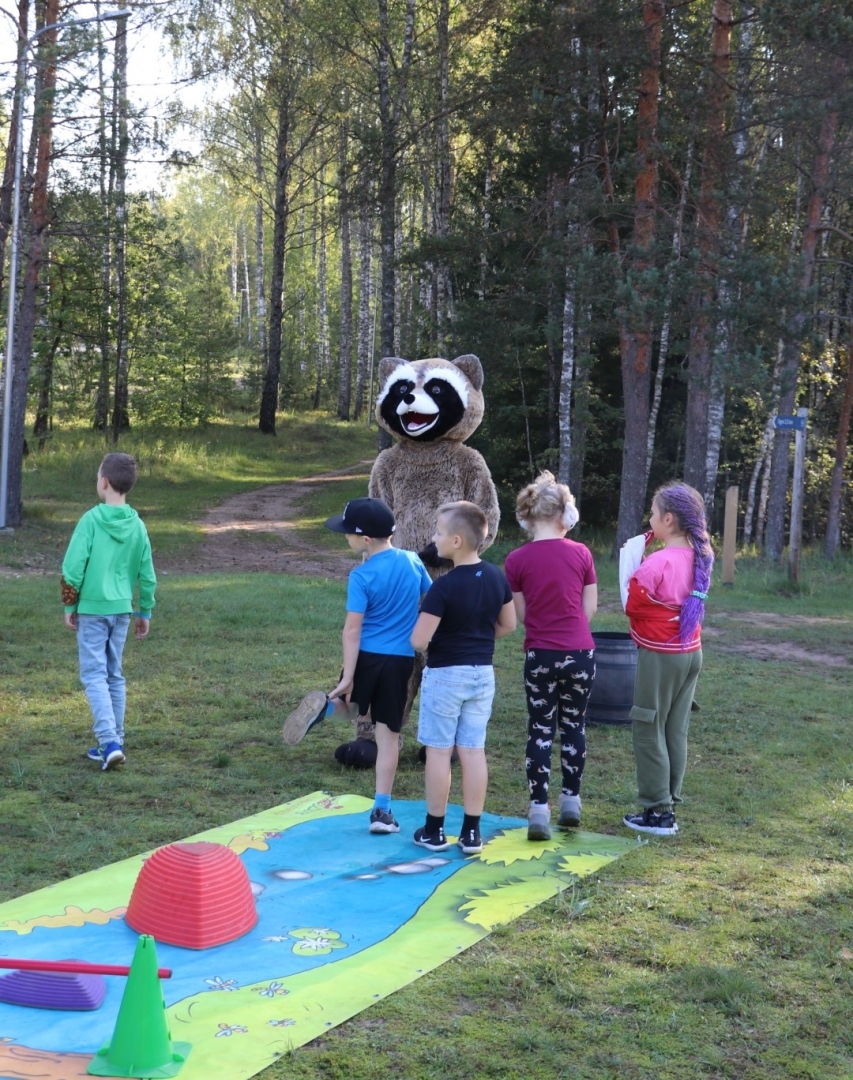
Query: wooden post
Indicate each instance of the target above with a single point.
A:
(796, 533)
(730, 535)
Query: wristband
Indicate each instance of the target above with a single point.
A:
(139, 615)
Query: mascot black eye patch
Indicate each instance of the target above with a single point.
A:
(434, 408)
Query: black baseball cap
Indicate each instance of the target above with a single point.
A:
(365, 517)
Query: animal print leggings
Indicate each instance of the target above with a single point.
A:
(557, 685)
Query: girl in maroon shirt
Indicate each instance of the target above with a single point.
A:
(555, 594)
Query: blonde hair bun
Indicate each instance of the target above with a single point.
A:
(545, 499)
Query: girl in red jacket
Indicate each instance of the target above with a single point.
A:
(666, 604)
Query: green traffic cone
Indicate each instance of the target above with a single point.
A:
(141, 1045)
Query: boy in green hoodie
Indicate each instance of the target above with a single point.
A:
(108, 554)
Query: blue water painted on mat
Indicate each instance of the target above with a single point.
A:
(352, 889)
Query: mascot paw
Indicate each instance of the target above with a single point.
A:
(432, 560)
(359, 754)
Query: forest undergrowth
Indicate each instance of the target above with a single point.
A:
(723, 952)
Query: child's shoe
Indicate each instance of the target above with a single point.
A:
(471, 842)
(310, 711)
(382, 821)
(112, 755)
(95, 754)
(539, 822)
(570, 812)
(656, 822)
(436, 841)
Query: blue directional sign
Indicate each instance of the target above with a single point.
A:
(790, 423)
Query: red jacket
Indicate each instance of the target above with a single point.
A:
(655, 626)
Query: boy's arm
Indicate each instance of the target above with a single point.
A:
(147, 583)
(520, 605)
(424, 629)
(351, 640)
(506, 620)
(74, 569)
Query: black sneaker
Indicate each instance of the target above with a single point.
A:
(471, 842)
(435, 842)
(382, 821)
(310, 711)
(650, 821)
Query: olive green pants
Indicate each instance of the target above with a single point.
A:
(663, 695)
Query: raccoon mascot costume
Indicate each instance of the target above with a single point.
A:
(430, 407)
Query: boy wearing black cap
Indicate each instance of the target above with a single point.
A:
(383, 594)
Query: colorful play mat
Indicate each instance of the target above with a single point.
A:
(344, 919)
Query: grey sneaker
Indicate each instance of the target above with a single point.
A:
(310, 711)
(570, 812)
(382, 821)
(539, 823)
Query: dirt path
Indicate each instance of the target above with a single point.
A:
(256, 531)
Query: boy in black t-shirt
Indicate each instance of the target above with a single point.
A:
(461, 616)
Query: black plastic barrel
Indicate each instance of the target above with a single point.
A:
(612, 694)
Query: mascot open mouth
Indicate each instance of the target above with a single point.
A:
(415, 423)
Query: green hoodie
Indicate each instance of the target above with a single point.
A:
(108, 553)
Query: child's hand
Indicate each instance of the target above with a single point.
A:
(71, 620)
(342, 690)
(141, 628)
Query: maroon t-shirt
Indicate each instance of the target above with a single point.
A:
(551, 575)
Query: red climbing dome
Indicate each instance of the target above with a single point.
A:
(193, 895)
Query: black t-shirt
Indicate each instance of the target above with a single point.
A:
(468, 601)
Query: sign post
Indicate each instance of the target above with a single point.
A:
(798, 423)
(730, 536)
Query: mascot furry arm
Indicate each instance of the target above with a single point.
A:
(431, 406)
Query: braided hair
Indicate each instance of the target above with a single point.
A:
(688, 508)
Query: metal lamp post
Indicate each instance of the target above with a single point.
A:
(9, 351)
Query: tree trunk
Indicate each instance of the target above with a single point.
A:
(443, 163)
(6, 191)
(365, 247)
(708, 242)
(733, 238)
(345, 350)
(39, 221)
(121, 416)
(797, 321)
(635, 322)
(44, 410)
(244, 244)
(836, 486)
(389, 117)
(666, 322)
(269, 395)
(323, 352)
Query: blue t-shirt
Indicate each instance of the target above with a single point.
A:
(468, 601)
(386, 590)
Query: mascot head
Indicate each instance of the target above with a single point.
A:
(426, 400)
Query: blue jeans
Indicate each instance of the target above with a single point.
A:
(456, 703)
(100, 644)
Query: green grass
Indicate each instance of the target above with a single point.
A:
(724, 952)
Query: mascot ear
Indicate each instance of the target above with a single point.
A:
(387, 365)
(472, 368)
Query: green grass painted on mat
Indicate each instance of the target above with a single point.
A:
(726, 952)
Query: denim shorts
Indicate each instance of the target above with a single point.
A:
(456, 703)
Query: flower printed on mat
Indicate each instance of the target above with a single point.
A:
(222, 984)
(281, 1023)
(316, 941)
(230, 1029)
(271, 990)
(330, 803)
